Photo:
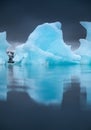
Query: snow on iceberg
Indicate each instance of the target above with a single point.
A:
(3, 47)
(85, 45)
(45, 45)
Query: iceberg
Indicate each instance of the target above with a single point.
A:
(87, 26)
(85, 45)
(3, 48)
(45, 45)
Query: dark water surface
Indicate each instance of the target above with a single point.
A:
(45, 98)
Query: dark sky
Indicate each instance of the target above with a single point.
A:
(20, 17)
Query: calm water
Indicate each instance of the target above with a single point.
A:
(45, 98)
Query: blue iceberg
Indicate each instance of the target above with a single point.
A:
(3, 48)
(85, 45)
(45, 45)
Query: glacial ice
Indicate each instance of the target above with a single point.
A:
(85, 44)
(45, 45)
(3, 47)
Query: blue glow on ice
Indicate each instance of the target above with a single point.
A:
(3, 47)
(45, 45)
(85, 47)
(45, 84)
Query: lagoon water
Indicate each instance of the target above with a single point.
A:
(45, 97)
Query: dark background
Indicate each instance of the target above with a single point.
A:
(20, 17)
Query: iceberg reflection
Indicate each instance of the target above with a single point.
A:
(48, 85)
(3, 82)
